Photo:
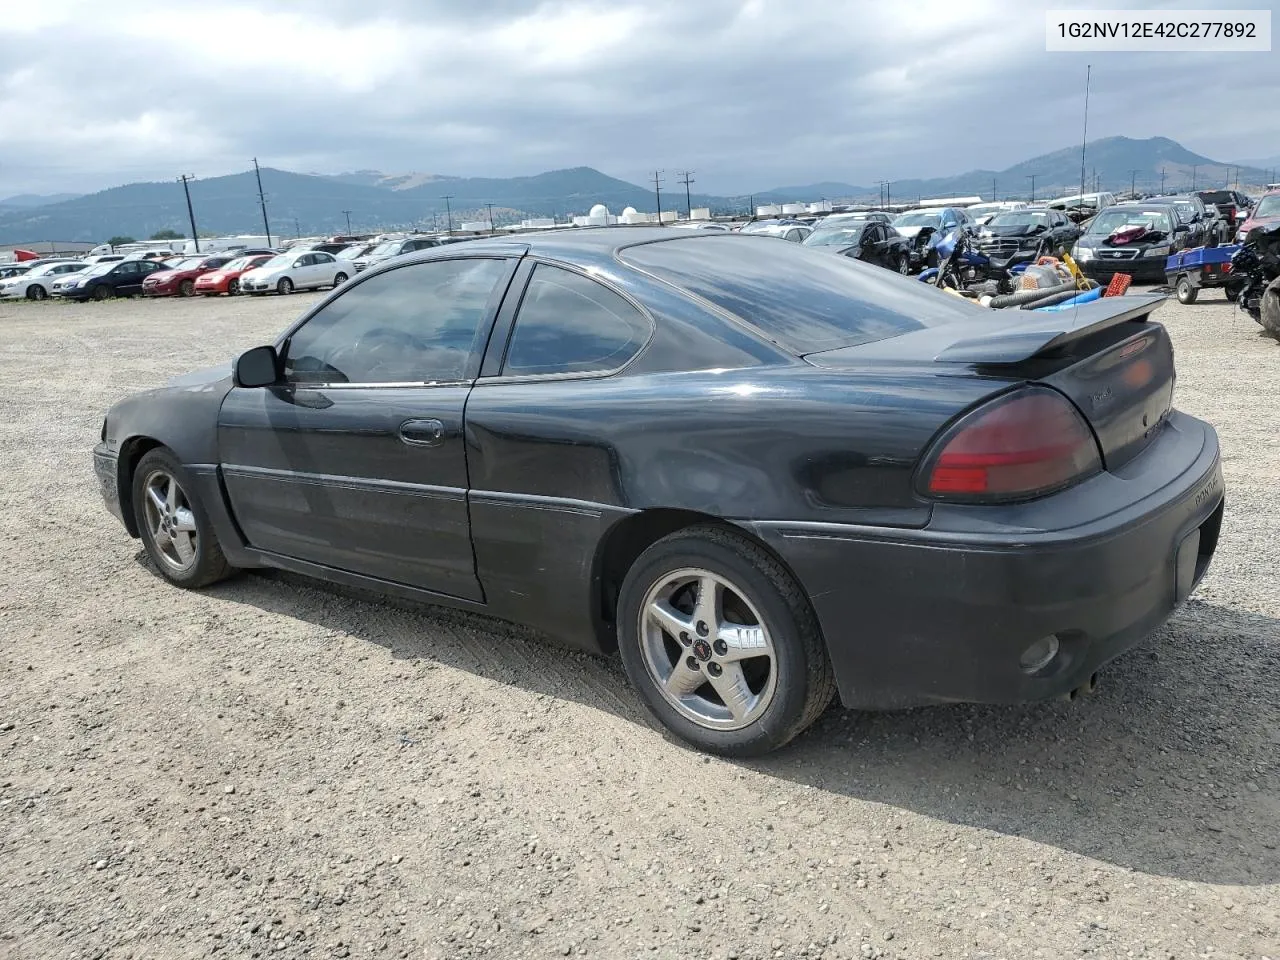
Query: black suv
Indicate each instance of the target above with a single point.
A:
(1026, 231)
(1207, 226)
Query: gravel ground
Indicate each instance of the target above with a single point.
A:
(273, 768)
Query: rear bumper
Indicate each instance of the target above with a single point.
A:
(943, 614)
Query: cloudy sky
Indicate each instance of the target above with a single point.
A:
(749, 93)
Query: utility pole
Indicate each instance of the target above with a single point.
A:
(297, 228)
(751, 205)
(434, 228)
(1084, 139)
(688, 203)
(657, 192)
(1194, 168)
(448, 212)
(1133, 183)
(190, 213)
(262, 201)
(490, 206)
(1162, 181)
(993, 190)
(1032, 178)
(347, 214)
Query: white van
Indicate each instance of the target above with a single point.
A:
(1096, 200)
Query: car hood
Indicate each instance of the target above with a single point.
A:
(1010, 230)
(262, 273)
(201, 378)
(163, 276)
(909, 232)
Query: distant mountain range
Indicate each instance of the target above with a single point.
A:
(24, 201)
(314, 203)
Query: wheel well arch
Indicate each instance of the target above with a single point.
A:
(622, 545)
(131, 451)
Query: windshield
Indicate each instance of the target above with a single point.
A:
(1019, 219)
(386, 249)
(189, 264)
(919, 218)
(1117, 218)
(352, 252)
(98, 269)
(835, 235)
(239, 263)
(982, 209)
(1217, 196)
(1268, 206)
(281, 260)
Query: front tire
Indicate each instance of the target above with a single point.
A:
(722, 643)
(175, 529)
(186, 288)
(284, 287)
(102, 292)
(1186, 292)
(904, 264)
(36, 292)
(233, 288)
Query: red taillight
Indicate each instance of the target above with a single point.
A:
(1022, 445)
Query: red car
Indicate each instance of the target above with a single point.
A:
(181, 278)
(226, 279)
(1266, 213)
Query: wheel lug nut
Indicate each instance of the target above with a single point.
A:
(691, 663)
(702, 628)
(714, 669)
(684, 638)
(720, 647)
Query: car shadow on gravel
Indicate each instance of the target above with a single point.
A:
(1168, 769)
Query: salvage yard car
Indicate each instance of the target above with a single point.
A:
(179, 279)
(287, 272)
(34, 284)
(1131, 238)
(226, 279)
(869, 240)
(1019, 231)
(106, 279)
(761, 473)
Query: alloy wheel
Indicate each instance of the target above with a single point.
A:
(170, 521)
(708, 649)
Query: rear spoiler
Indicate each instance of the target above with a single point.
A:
(1042, 332)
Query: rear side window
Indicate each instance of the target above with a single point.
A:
(569, 323)
(799, 297)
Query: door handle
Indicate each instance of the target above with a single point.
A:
(422, 433)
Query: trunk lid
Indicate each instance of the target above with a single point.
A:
(1114, 364)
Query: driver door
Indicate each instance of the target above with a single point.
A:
(357, 461)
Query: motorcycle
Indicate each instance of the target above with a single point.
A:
(964, 268)
(1255, 277)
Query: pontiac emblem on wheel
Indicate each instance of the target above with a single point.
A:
(702, 649)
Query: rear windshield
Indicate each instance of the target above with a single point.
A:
(1217, 196)
(801, 298)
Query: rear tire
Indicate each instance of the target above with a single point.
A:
(725, 586)
(175, 529)
(284, 287)
(1187, 293)
(339, 280)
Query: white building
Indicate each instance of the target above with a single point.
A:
(598, 217)
(768, 210)
(700, 213)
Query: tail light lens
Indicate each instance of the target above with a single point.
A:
(1022, 445)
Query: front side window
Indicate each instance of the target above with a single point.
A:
(418, 324)
(569, 323)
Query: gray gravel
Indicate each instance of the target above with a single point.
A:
(272, 768)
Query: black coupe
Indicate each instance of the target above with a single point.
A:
(762, 473)
(863, 239)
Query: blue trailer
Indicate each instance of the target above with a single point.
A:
(1189, 270)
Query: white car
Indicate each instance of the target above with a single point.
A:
(296, 271)
(37, 282)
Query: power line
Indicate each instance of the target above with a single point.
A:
(191, 214)
(688, 204)
(262, 200)
(657, 192)
(448, 212)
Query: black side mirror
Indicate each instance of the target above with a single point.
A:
(259, 367)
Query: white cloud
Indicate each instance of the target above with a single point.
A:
(750, 93)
